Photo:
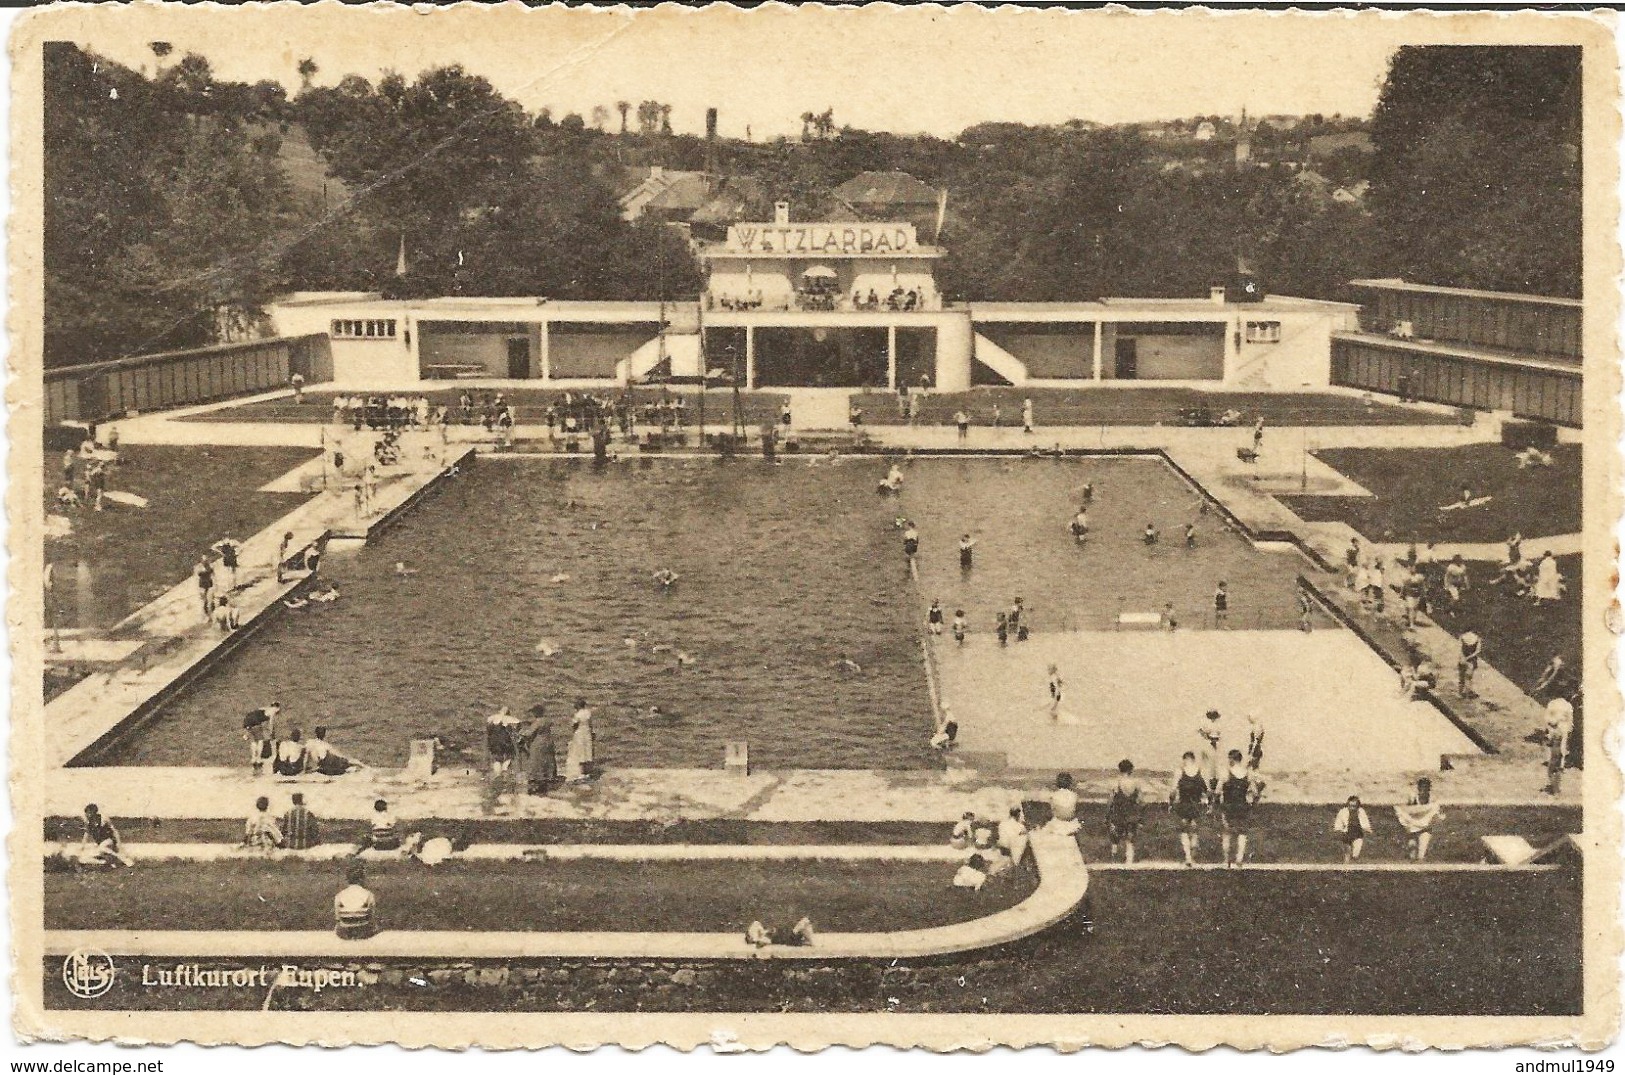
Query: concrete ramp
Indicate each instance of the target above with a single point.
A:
(999, 360)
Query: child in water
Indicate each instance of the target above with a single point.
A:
(959, 626)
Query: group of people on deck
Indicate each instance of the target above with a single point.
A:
(524, 750)
(292, 755)
(1232, 793)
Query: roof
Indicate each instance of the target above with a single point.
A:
(736, 199)
(1464, 292)
(683, 192)
(885, 188)
(1331, 143)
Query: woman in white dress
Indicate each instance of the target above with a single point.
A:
(578, 758)
(1548, 580)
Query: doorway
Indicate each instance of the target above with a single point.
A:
(1128, 358)
(519, 359)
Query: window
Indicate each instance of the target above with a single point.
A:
(374, 329)
(1263, 332)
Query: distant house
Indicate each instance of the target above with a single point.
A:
(889, 196)
(1352, 195)
(668, 195)
(1323, 144)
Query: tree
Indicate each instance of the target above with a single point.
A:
(623, 107)
(307, 71)
(161, 50)
(665, 119)
(648, 117)
(1475, 181)
(806, 126)
(600, 117)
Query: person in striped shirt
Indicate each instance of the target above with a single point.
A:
(300, 829)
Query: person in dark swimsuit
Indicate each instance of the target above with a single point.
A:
(966, 553)
(1189, 801)
(1123, 811)
(933, 618)
(1237, 794)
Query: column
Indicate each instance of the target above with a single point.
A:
(1232, 349)
(547, 365)
(891, 357)
(750, 357)
(1099, 333)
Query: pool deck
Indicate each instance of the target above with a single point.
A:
(176, 642)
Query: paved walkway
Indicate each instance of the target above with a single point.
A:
(1063, 882)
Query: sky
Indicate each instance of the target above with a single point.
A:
(923, 69)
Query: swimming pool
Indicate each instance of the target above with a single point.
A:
(787, 572)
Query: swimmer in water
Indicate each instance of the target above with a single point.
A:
(911, 541)
(1080, 525)
(848, 665)
(960, 626)
(893, 481)
(1149, 535)
(899, 523)
(666, 577)
(402, 571)
(933, 618)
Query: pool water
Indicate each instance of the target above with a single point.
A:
(786, 572)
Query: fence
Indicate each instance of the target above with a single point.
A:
(101, 390)
(1528, 389)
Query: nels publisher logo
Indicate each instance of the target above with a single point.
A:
(87, 972)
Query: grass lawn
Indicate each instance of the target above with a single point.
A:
(1409, 485)
(1519, 638)
(541, 830)
(564, 896)
(529, 404)
(119, 559)
(1112, 406)
(1181, 943)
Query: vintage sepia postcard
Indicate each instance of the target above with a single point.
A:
(945, 526)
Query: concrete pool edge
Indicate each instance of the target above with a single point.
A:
(1063, 882)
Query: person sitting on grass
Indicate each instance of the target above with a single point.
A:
(1063, 806)
(947, 736)
(355, 908)
(1012, 836)
(384, 833)
(100, 843)
(300, 829)
(964, 834)
(1352, 825)
(1416, 817)
(972, 875)
(260, 831)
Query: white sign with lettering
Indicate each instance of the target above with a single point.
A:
(817, 240)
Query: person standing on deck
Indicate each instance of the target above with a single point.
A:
(1352, 826)
(1416, 817)
(1123, 811)
(1237, 794)
(962, 421)
(579, 758)
(966, 554)
(205, 585)
(1027, 424)
(1221, 605)
(1472, 650)
(259, 730)
(1258, 434)
(1210, 734)
(1056, 683)
(1189, 801)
